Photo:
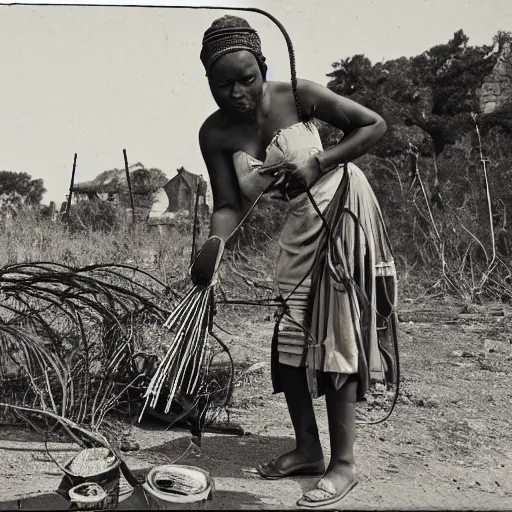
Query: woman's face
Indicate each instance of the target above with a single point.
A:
(237, 84)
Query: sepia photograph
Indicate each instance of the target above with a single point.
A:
(256, 254)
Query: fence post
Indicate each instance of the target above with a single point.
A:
(129, 186)
(68, 206)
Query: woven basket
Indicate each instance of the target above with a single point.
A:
(108, 480)
(82, 502)
(159, 500)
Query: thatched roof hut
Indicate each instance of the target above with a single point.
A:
(143, 181)
(108, 182)
(154, 195)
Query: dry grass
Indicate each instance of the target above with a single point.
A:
(29, 237)
(448, 216)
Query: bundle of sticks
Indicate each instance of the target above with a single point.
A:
(184, 368)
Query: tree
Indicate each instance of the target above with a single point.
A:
(501, 39)
(147, 181)
(427, 99)
(17, 188)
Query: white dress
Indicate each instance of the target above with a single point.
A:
(323, 327)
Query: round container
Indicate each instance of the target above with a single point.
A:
(160, 499)
(91, 500)
(108, 480)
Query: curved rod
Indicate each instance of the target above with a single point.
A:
(291, 53)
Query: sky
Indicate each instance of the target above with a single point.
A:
(96, 80)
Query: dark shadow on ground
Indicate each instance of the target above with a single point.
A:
(222, 456)
(223, 500)
(23, 433)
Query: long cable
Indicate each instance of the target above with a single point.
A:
(300, 113)
(291, 54)
(283, 301)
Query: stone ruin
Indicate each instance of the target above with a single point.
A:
(177, 199)
(496, 89)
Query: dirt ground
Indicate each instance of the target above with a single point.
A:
(448, 444)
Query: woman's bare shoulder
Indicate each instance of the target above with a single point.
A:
(212, 131)
(284, 92)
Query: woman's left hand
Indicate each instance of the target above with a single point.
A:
(295, 176)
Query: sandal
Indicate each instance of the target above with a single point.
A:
(270, 472)
(325, 494)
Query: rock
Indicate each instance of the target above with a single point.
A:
(256, 367)
(469, 308)
(492, 346)
(406, 400)
(270, 501)
(129, 446)
(463, 353)
(489, 107)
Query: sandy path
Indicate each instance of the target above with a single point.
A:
(447, 446)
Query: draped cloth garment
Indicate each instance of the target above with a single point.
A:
(340, 288)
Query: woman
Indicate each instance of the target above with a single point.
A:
(262, 138)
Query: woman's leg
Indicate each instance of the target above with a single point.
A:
(341, 416)
(341, 475)
(302, 414)
(307, 457)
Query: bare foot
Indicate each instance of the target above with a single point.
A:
(337, 482)
(294, 462)
(341, 476)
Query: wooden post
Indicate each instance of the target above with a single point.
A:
(195, 225)
(129, 185)
(68, 206)
(413, 165)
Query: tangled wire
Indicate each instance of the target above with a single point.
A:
(72, 339)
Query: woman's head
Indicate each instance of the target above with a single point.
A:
(235, 66)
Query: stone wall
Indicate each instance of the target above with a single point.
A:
(496, 89)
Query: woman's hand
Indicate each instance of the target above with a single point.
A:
(293, 178)
(205, 265)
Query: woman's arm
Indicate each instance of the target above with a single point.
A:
(227, 202)
(362, 127)
(226, 205)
